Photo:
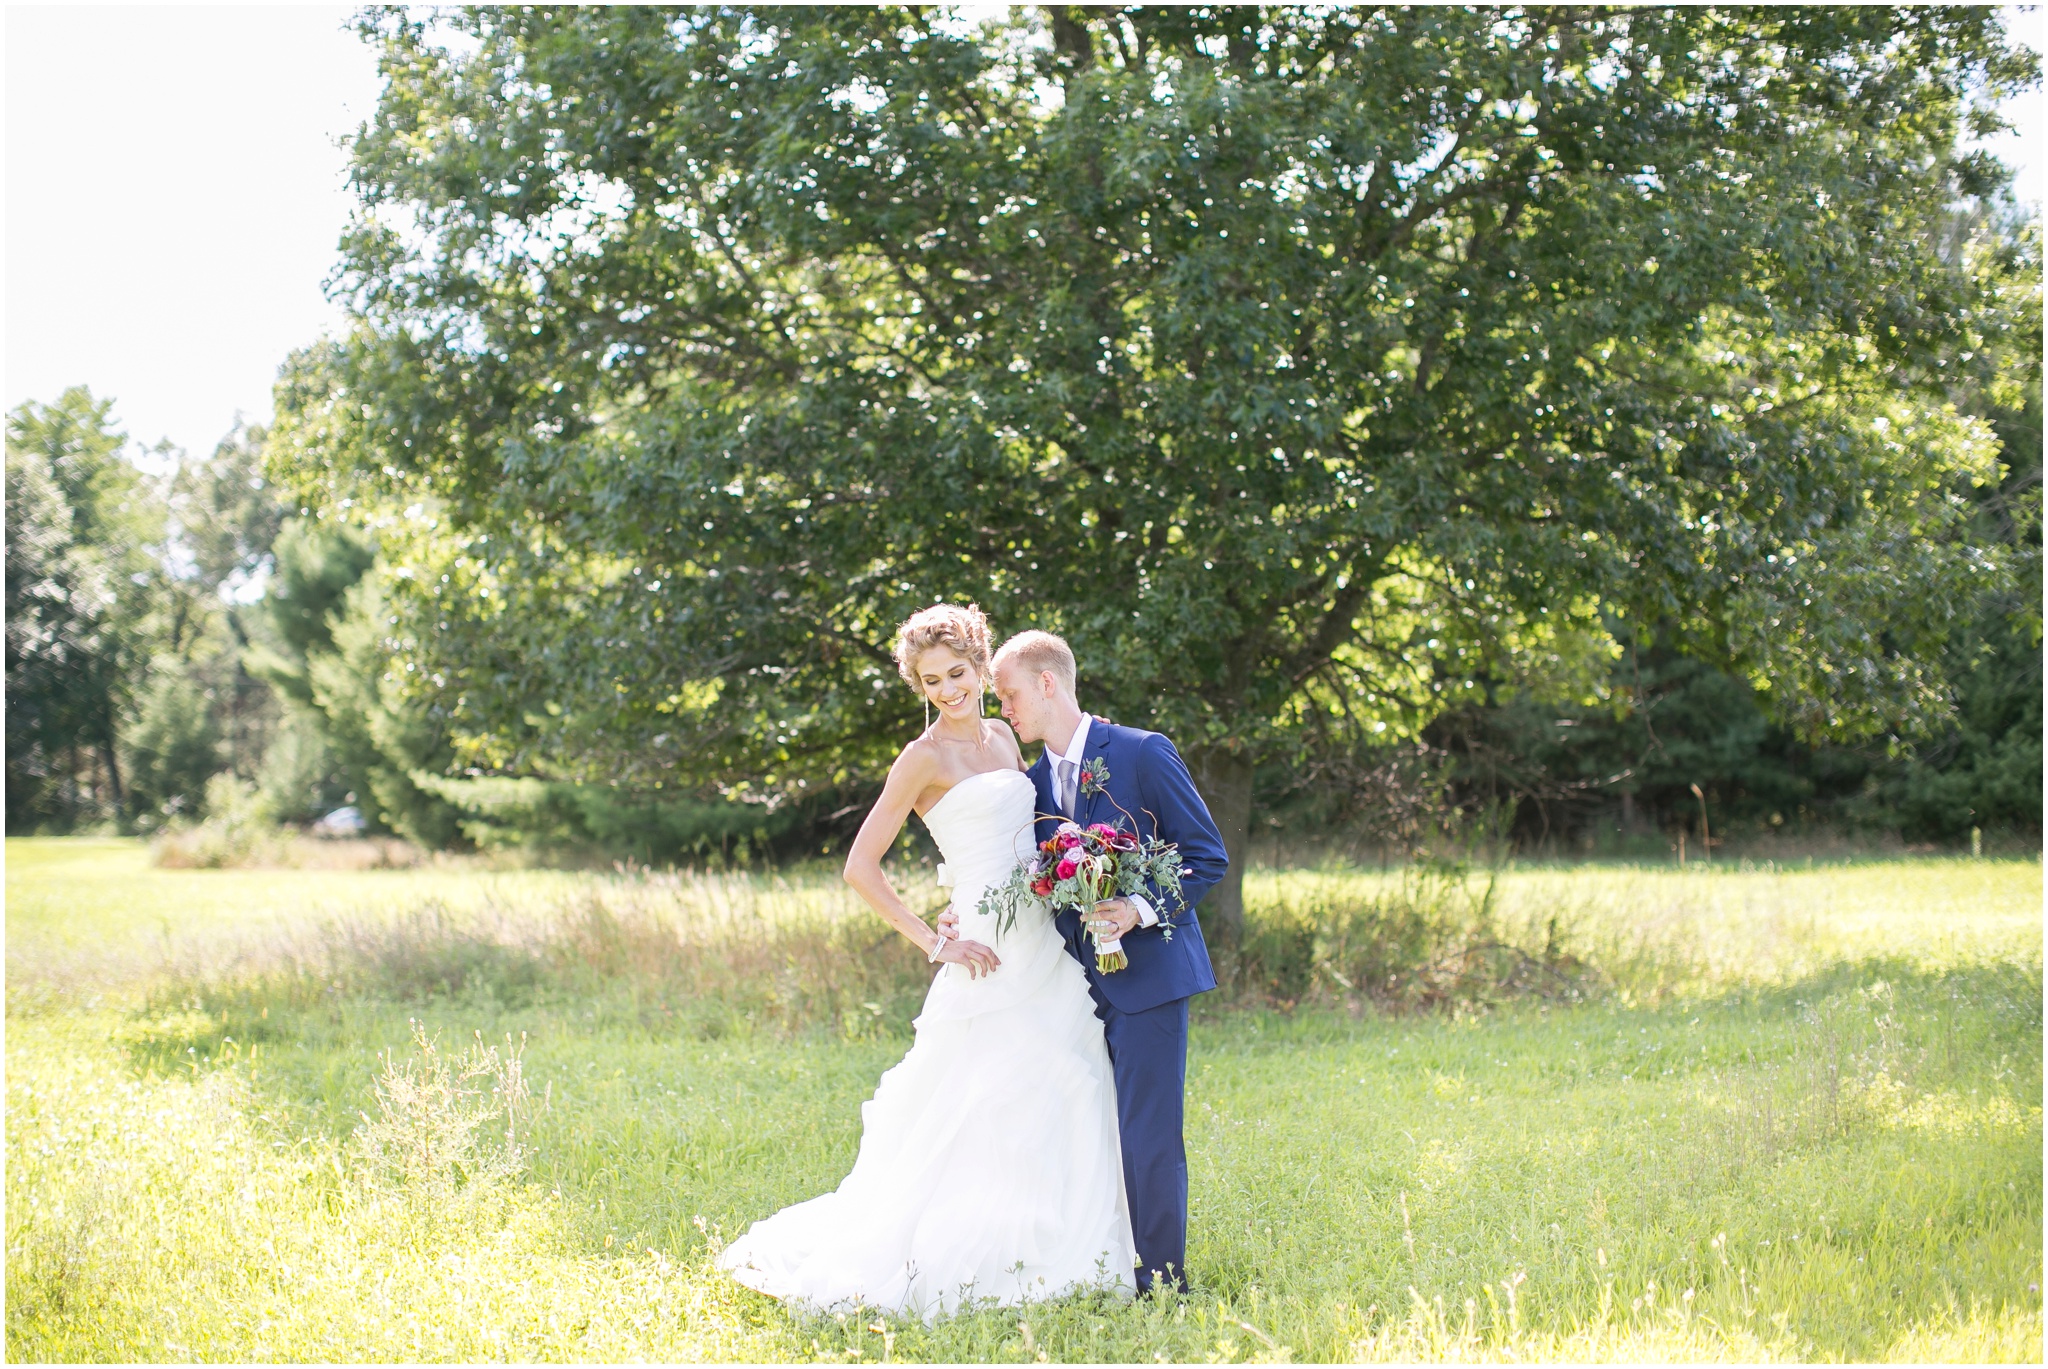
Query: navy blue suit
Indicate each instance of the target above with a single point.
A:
(1144, 1007)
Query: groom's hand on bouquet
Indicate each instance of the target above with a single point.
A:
(1114, 918)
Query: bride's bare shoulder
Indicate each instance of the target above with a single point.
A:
(919, 760)
(916, 765)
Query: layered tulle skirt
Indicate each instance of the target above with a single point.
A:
(989, 1168)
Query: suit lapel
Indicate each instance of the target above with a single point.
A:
(1086, 803)
(1040, 775)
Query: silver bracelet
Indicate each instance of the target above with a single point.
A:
(932, 956)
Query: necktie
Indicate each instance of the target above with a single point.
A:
(1070, 775)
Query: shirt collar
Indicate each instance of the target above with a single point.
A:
(1078, 747)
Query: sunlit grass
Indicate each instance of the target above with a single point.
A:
(1707, 929)
(1798, 1117)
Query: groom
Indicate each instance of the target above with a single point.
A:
(1088, 771)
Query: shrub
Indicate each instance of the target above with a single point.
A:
(237, 830)
(1424, 939)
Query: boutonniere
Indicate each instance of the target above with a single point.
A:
(1095, 776)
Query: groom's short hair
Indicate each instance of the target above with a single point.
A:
(1038, 652)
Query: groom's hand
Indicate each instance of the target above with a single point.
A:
(1117, 915)
(949, 924)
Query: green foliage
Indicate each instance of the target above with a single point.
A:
(172, 746)
(950, 362)
(1664, 720)
(59, 666)
(80, 582)
(1571, 778)
(1309, 369)
(579, 820)
(373, 727)
(109, 498)
(1985, 770)
(197, 710)
(323, 646)
(317, 563)
(1326, 377)
(299, 779)
(130, 612)
(226, 514)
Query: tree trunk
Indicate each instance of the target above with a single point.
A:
(113, 773)
(1224, 777)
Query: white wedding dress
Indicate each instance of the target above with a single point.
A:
(988, 1165)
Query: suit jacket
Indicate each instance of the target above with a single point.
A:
(1148, 779)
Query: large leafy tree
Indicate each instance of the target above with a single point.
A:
(1305, 367)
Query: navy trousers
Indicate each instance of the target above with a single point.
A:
(1148, 1053)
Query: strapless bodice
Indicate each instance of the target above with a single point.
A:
(983, 827)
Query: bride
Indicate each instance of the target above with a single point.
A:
(988, 1167)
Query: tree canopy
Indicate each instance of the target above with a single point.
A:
(1309, 369)
(80, 528)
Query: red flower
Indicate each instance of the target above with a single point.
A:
(1065, 869)
(1042, 886)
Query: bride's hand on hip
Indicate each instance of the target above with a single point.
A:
(978, 959)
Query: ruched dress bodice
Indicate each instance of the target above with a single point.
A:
(983, 827)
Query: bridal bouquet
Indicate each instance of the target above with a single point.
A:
(1077, 867)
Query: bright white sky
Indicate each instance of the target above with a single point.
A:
(175, 192)
(174, 197)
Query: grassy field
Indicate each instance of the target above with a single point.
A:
(1747, 1114)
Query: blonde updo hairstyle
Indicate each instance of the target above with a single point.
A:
(964, 630)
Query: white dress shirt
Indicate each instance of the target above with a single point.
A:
(1076, 753)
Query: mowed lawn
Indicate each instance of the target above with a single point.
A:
(1797, 1115)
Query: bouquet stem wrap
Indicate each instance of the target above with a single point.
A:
(1109, 951)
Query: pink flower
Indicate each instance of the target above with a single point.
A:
(1065, 869)
(1102, 829)
(1069, 840)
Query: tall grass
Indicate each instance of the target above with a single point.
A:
(393, 1115)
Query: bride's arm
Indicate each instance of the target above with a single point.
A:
(912, 773)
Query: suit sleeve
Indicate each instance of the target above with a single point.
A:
(1169, 792)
